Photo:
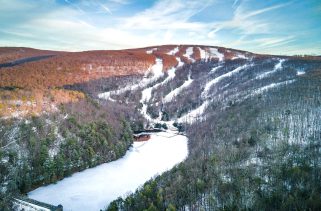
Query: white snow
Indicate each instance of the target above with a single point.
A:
(195, 114)
(188, 54)
(221, 77)
(169, 97)
(214, 69)
(276, 68)
(95, 188)
(157, 69)
(157, 72)
(180, 63)
(146, 95)
(239, 56)
(174, 51)
(215, 53)
(271, 86)
(254, 161)
(300, 72)
(204, 54)
(170, 75)
(150, 51)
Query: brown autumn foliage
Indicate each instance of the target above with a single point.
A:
(32, 87)
(29, 88)
(168, 60)
(9, 54)
(196, 54)
(70, 68)
(21, 102)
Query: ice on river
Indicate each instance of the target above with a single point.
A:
(95, 188)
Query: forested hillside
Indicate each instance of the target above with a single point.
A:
(255, 145)
(262, 153)
(253, 123)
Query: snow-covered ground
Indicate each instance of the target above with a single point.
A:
(204, 55)
(195, 114)
(180, 63)
(169, 97)
(150, 51)
(189, 52)
(95, 188)
(214, 69)
(271, 86)
(278, 66)
(215, 53)
(240, 56)
(214, 81)
(210, 53)
(157, 72)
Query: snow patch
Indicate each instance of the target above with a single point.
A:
(169, 97)
(271, 86)
(150, 51)
(240, 56)
(214, 69)
(180, 63)
(194, 115)
(157, 72)
(216, 54)
(188, 54)
(300, 72)
(204, 54)
(276, 68)
(221, 77)
(170, 75)
(174, 51)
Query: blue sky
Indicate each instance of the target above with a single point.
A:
(262, 26)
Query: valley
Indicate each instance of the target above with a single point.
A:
(251, 120)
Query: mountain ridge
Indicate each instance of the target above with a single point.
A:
(73, 111)
(55, 69)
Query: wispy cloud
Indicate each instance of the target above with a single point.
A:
(114, 24)
(106, 8)
(245, 21)
(274, 41)
(168, 14)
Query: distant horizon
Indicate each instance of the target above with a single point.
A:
(75, 51)
(275, 27)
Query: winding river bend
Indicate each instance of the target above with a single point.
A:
(93, 189)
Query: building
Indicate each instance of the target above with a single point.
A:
(22, 203)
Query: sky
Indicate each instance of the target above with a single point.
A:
(263, 26)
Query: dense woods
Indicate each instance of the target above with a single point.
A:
(42, 150)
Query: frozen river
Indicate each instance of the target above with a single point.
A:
(93, 189)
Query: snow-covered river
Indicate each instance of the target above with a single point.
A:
(94, 188)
